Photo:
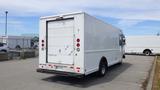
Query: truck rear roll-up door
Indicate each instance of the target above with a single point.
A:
(60, 41)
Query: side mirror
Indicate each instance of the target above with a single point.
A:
(122, 40)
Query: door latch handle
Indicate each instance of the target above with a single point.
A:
(59, 50)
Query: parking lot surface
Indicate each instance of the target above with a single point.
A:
(22, 75)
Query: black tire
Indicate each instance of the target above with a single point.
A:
(147, 52)
(4, 51)
(18, 47)
(124, 56)
(102, 69)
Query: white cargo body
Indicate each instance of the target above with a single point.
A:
(76, 44)
(16, 41)
(143, 44)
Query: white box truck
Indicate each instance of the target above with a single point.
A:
(78, 44)
(147, 45)
(18, 42)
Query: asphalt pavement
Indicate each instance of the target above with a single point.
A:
(22, 75)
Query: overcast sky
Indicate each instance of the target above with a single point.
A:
(134, 17)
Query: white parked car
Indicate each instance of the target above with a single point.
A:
(3, 47)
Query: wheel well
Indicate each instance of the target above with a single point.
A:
(147, 50)
(18, 46)
(103, 59)
(4, 50)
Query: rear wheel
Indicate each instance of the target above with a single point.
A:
(4, 51)
(147, 52)
(18, 47)
(102, 68)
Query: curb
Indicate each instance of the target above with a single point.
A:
(151, 76)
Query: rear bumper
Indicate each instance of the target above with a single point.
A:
(61, 73)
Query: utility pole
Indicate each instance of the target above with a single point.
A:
(6, 12)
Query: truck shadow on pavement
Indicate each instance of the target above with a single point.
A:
(91, 79)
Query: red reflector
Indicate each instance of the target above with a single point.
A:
(78, 44)
(42, 41)
(77, 67)
(77, 70)
(78, 40)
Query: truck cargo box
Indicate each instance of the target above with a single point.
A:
(79, 44)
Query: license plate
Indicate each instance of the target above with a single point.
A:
(60, 67)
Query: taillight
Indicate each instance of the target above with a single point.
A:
(78, 44)
(78, 69)
(42, 44)
(78, 40)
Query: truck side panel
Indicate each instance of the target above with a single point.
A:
(100, 39)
